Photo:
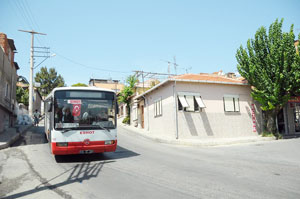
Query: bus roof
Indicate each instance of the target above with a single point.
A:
(79, 88)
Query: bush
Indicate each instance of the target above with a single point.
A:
(126, 120)
(267, 134)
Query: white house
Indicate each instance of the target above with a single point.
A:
(198, 106)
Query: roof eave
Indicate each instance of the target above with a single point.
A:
(188, 80)
(211, 82)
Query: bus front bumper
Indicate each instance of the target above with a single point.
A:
(83, 148)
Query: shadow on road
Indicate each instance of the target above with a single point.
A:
(119, 154)
(78, 173)
(87, 167)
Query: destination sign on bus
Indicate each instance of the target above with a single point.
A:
(74, 101)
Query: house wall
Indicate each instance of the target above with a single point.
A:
(8, 75)
(122, 111)
(163, 125)
(37, 104)
(212, 121)
(4, 119)
(113, 86)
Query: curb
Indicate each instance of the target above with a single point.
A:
(198, 143)
(14, 138)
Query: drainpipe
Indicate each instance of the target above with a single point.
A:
(146, 100)
(175, 107)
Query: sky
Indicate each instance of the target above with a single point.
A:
(111, 39)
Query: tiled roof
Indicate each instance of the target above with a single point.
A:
(200, 78)
(209, 78)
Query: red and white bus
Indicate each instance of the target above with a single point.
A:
(81, 120)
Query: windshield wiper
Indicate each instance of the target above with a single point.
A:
(101, 127)
(67, 129)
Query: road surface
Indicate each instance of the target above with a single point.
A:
(142, 168)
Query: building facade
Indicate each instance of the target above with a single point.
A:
(107, 83)
(37, 97)
(8, 78)
(288, 119)
(198, 106)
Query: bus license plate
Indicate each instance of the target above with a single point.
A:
(86, 151)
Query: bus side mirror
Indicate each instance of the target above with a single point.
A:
(49, 107)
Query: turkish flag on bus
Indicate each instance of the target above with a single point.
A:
(76, 109)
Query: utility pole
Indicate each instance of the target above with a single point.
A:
(175, 65)
(31, 69)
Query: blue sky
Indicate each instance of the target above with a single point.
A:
(110, 39)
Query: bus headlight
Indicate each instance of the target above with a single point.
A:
(108, 142)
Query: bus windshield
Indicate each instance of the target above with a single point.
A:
(84, 110)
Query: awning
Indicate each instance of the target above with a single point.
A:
(183, 101)
(200, 102)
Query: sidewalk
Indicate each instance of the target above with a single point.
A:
(11, 135)
(195, 142)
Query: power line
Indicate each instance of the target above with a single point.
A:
(18, 14)
(94, 68)
(26, 13)
(23, 17)
(31, 14)
(150, 75)
(27, 17)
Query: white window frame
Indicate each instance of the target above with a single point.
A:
(190, 101)
(231, 103)
(158, 107)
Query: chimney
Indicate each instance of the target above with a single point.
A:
(3, 42)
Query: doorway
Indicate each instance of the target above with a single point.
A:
(281, 122)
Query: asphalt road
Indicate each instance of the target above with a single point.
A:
(141, 168)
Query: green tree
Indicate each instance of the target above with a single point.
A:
(79, 85)
(127, 92)
(22, 95)
(49, 80)
(271, 66)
